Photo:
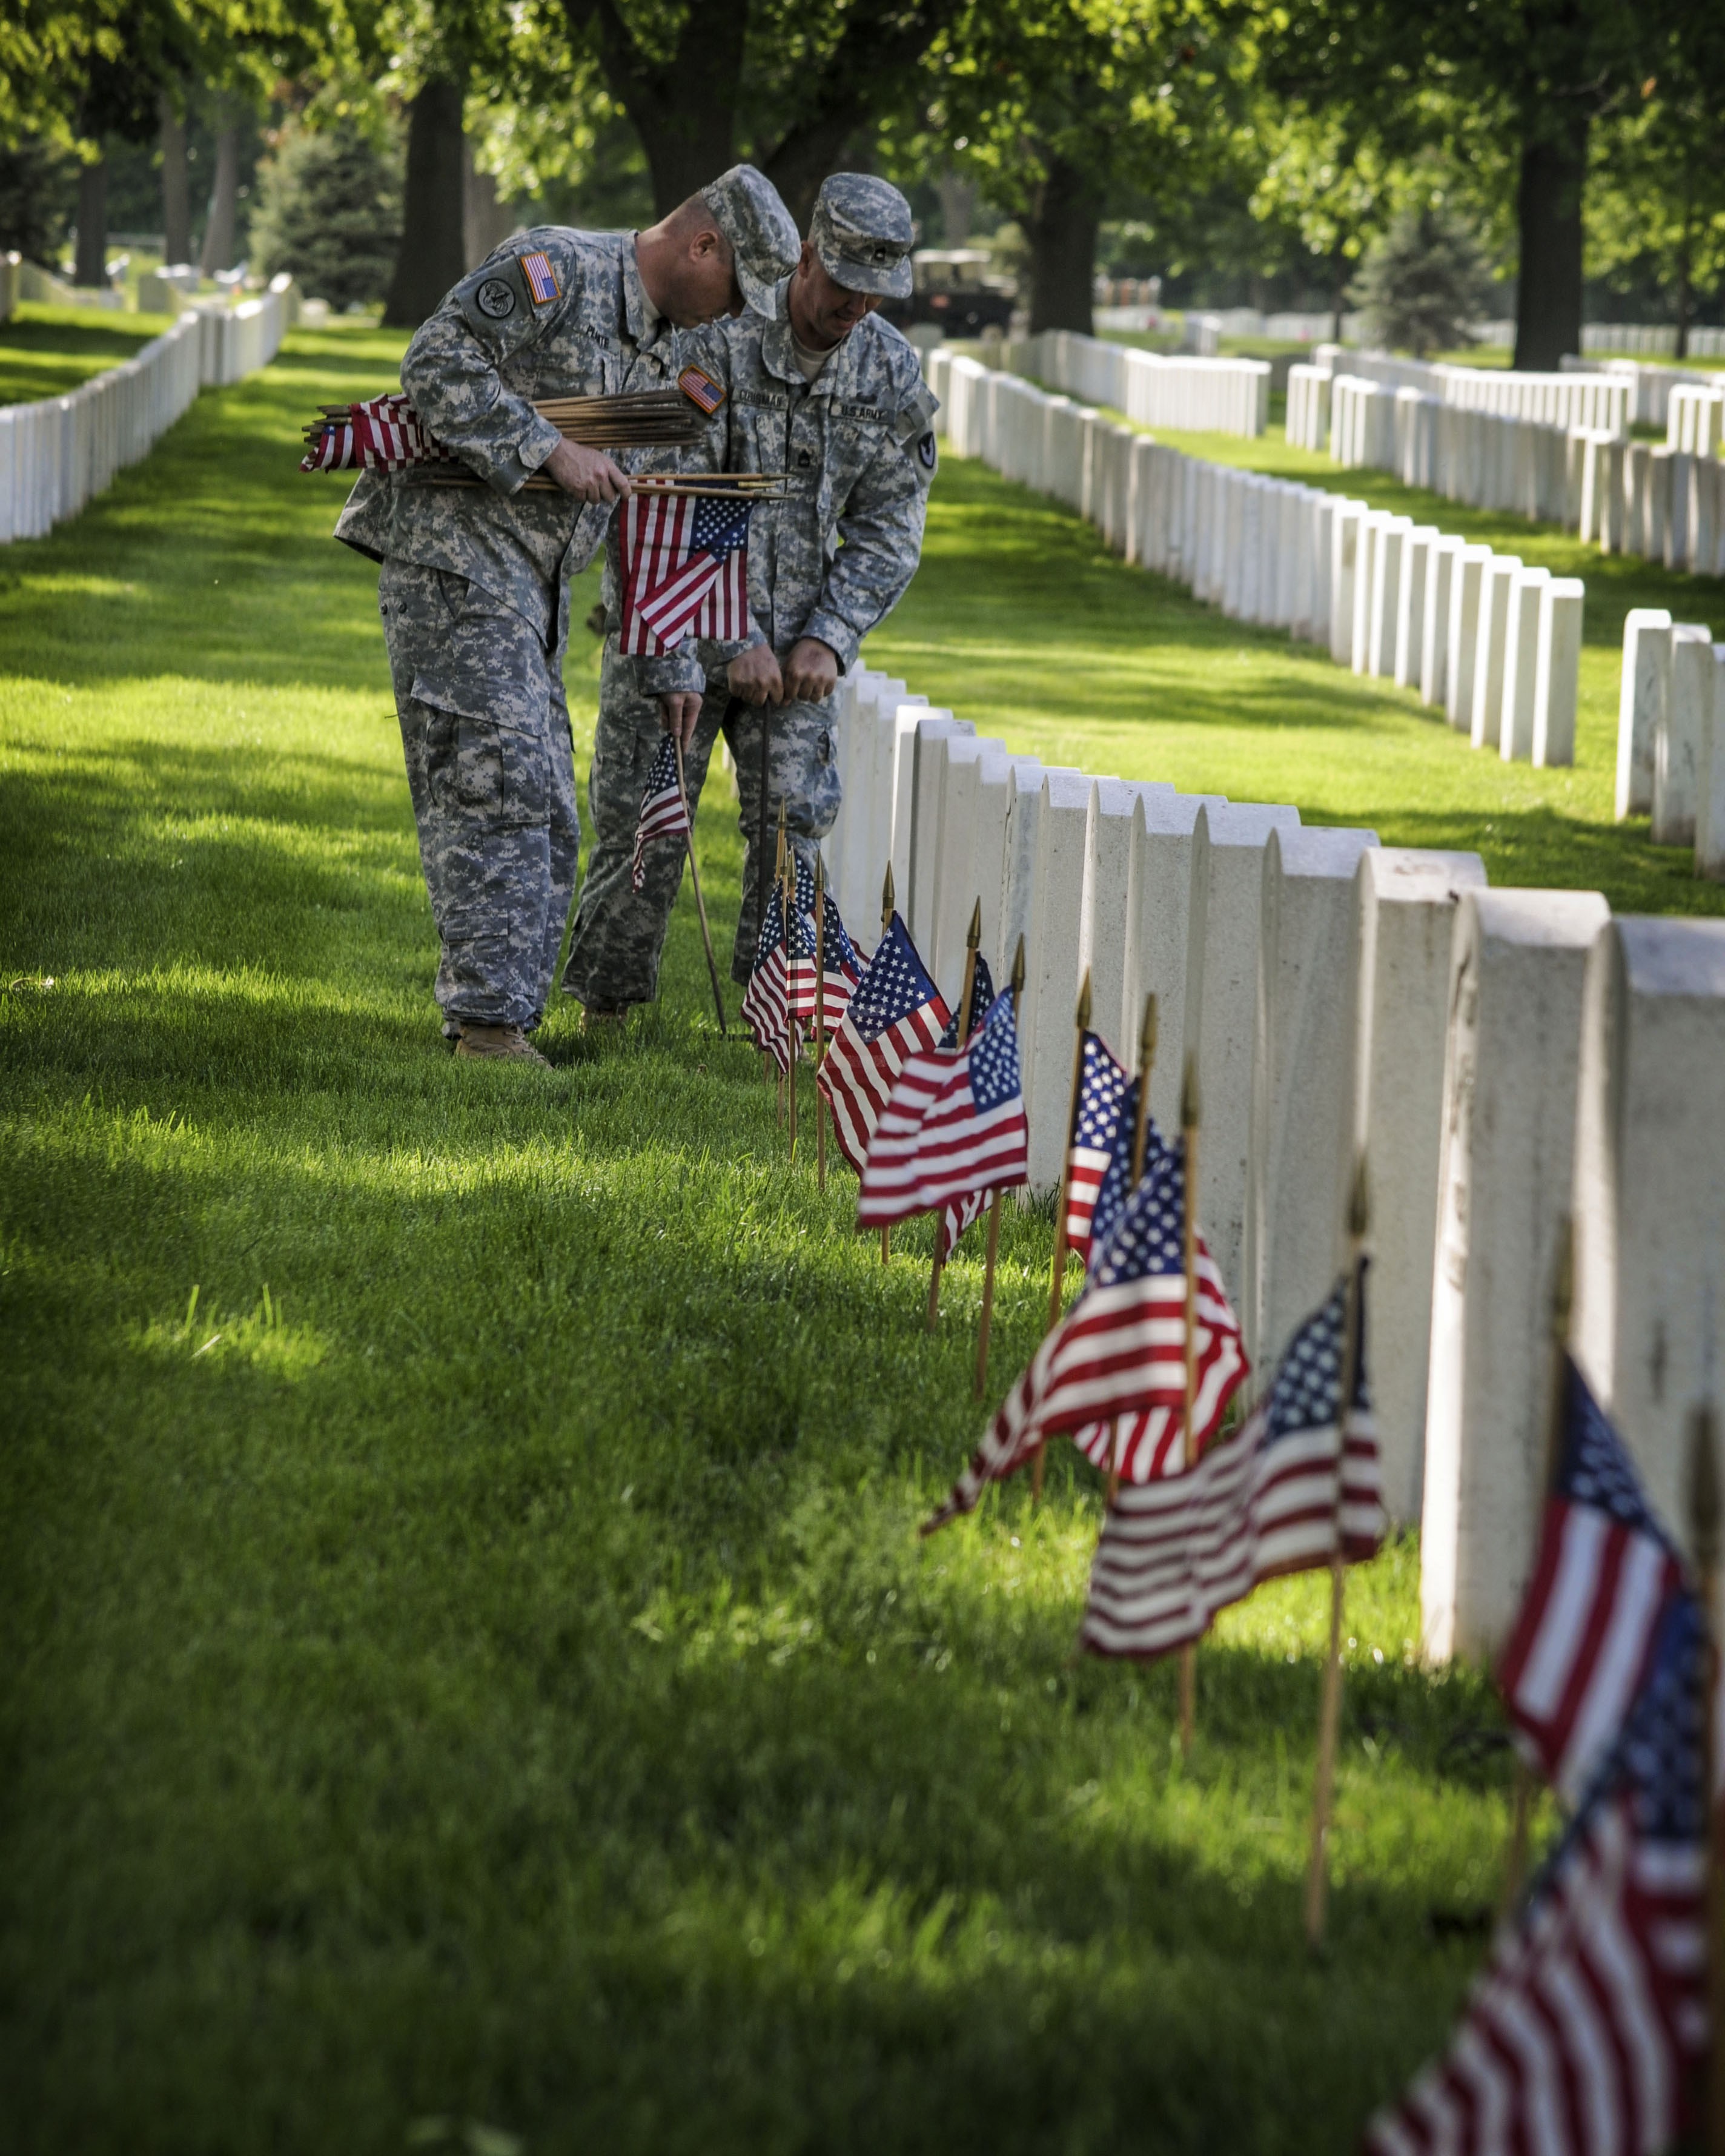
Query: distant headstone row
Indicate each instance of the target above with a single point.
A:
(58, 453)
(1492, 642)
(1551, 447)
(1505, 1059)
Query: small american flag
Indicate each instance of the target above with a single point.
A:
(1102, 1106)
(896, 1012)
(684, 571)
(1605, 1572)
(664, 813)
(840, 968)
(542, 279)
(384, 433)
(1587, 2030)
(1121, 1349)
(954, 1123)
(782, 946)
(1174, 1551)
(962, 1213)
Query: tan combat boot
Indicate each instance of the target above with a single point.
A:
(497, 1043)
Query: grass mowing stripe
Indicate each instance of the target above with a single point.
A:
(470, 1654)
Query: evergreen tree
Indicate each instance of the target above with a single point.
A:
(1423, 284)
(330, 213)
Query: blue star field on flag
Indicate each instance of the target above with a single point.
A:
(981, 995)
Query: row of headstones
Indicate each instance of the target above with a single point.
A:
(1651, 339)
(1670, 734)
(1651, 384)
(1494, 644)
(1665, 502)
(1504, 1058)
(1153, 389)
(58, 453)
(1594, 398)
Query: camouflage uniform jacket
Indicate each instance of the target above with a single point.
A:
(500, 340)
(857, 449)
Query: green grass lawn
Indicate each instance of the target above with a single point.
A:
(46, 351)
(469, 1658)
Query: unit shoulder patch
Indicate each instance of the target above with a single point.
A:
(495, 298)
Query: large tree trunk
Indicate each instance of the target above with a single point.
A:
(486, 222)
(957, 208)
(219, 234)
(1062, 229)
(176, 187)
(1549, 210)
(91, 264)
(433, 249)
(684, 109)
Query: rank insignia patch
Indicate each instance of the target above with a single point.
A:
(542, 280)
(701, 389)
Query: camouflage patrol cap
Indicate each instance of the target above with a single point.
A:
(862, 232)
(761, 231)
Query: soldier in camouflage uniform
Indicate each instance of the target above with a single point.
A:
(474, 588)
(827, 392)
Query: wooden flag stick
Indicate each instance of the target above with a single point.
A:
(887, 909)
(707, 933)
(1191, 1113)
(785, 923)
(982, 1337)
(789, 901)
(967, 998)
(1515, 1862)
(1317, 1877)
(820, 1018)
(1057, 1277)
(1140, 1133)
(1704, 1505)
(761, 824)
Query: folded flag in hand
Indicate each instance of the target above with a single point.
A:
(1589, 2025)
(954, 1123)
(684, 571)
(1174, 1551)
(1605, 1572)
(1121, 1349)
(664, 813)
(895, 1013)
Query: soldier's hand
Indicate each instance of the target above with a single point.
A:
(590, 474)
(754, 676)
(811, 672)
(678, 713)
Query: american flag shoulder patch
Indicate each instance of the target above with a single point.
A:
(701, 389)
(542, 286)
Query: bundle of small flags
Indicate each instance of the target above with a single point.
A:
(386, 434)
(1119, 1350)
(1588, 2028)
(665, 814)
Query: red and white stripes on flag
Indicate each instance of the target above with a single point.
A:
(953, 1124)
(1151, 1441)
(895, 1013)
(1605, 1571)
(685, 563)
(1121, 1349)
(1264, 1502)
(664, 814)
(384, 433)
(1587, 2034)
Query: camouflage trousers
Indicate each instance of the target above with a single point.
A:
(492, 771)
(620, 932)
